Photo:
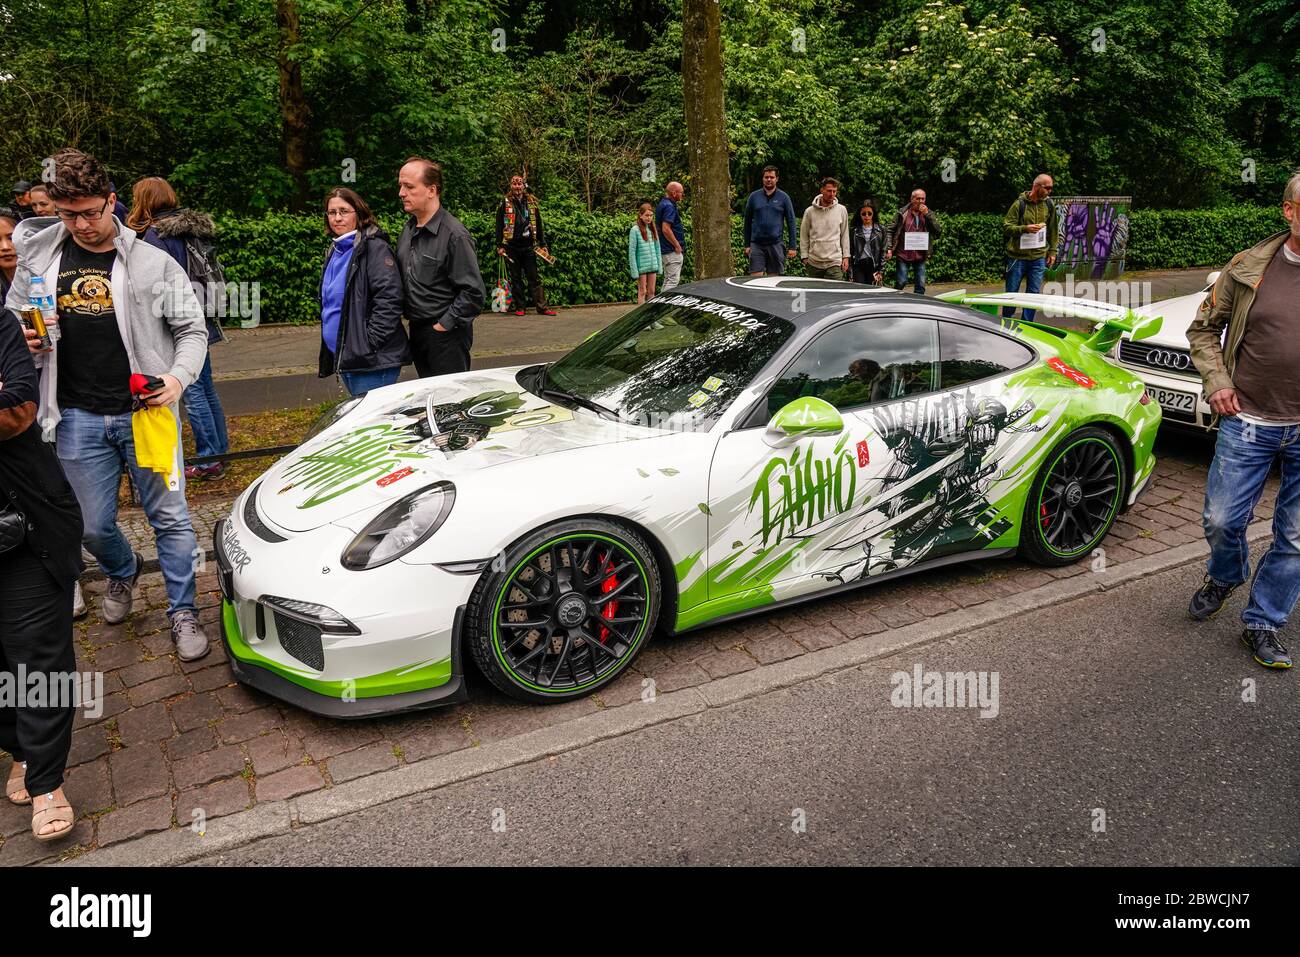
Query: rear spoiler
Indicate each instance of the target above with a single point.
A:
(1111, 321)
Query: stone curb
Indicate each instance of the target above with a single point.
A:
(179, 846)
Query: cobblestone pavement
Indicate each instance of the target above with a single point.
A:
(174, 736)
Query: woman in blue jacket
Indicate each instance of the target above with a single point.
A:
(362, 338)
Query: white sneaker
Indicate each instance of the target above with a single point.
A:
(79, 608)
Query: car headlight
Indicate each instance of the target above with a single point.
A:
(400, 527)
(330, 417)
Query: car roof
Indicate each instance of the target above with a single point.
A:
(806, 301)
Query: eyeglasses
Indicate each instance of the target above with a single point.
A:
(340, 213)
(90, 216)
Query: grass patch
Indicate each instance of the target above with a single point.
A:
(255, 431)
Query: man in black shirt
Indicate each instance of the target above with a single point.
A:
(94, 371)
(443, 289)
(124, 307)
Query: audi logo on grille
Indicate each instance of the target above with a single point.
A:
(1169, 359)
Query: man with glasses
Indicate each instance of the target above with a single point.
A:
(1031, 230)
(124, 307)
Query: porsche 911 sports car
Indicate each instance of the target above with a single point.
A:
(728, 447)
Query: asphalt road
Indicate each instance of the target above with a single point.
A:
(1114, 703)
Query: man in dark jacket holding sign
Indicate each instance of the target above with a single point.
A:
(911, 239)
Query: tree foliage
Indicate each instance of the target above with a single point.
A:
(1164, 100)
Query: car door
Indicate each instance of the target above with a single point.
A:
(790, 515)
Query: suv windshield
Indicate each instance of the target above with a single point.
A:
(676, 362)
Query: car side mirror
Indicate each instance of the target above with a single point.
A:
(1212, 278)
(805, 417)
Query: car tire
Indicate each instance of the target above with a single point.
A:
(1075, 498)
(539, 633)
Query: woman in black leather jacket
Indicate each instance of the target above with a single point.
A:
(866, 244)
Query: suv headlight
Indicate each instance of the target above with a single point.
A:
(329, 418)
(400, 527)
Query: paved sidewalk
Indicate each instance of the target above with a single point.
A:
(175, 737)
(274, 367)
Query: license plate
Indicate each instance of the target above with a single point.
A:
(1171, 399)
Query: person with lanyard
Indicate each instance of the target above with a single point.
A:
(867, 245)
(911, 239)
(361, 299)
(110, 335)
(520, 235)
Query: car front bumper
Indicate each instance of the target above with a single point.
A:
(391, 644)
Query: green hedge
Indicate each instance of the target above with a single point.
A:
(284, 253)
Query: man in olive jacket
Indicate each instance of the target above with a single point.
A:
(1031, 230)
(1251, 384)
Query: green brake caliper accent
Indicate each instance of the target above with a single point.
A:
(505, 589)
(1038, 511)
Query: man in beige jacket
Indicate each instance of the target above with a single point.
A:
(824, 234)
(1252, 383)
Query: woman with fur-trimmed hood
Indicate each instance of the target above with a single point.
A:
(158, 218)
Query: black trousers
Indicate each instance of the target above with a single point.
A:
(439, 353)
(864, 270)
(521, 262)
(36, 633)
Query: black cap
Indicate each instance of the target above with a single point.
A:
(21, 187)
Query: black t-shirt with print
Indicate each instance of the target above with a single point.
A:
(94, 371)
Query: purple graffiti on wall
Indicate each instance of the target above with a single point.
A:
(1092, 236)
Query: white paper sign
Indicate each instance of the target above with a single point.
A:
(1037, 240)
(916, 240)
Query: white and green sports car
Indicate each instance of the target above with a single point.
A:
(726, 448)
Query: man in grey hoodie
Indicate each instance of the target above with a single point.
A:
(824, 234)
(124, 307)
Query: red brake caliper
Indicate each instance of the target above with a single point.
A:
(611, 608)
(1043, 517)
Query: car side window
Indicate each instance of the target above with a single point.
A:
(863, 362)
(968, 354)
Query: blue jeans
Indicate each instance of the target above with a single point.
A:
(1243, 456)
(92, 449)
(359, 383)
(207, 418)
(1030, 270)
(918, 269)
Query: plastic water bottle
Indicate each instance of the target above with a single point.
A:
(43, 299)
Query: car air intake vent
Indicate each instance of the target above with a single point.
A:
(1175, 361)
(254, 521)
(300, 640)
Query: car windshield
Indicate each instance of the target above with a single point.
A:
(676, 362)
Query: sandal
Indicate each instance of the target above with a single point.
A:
(58, 810)
(15, 784)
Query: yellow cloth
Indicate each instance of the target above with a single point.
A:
(157, 442)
